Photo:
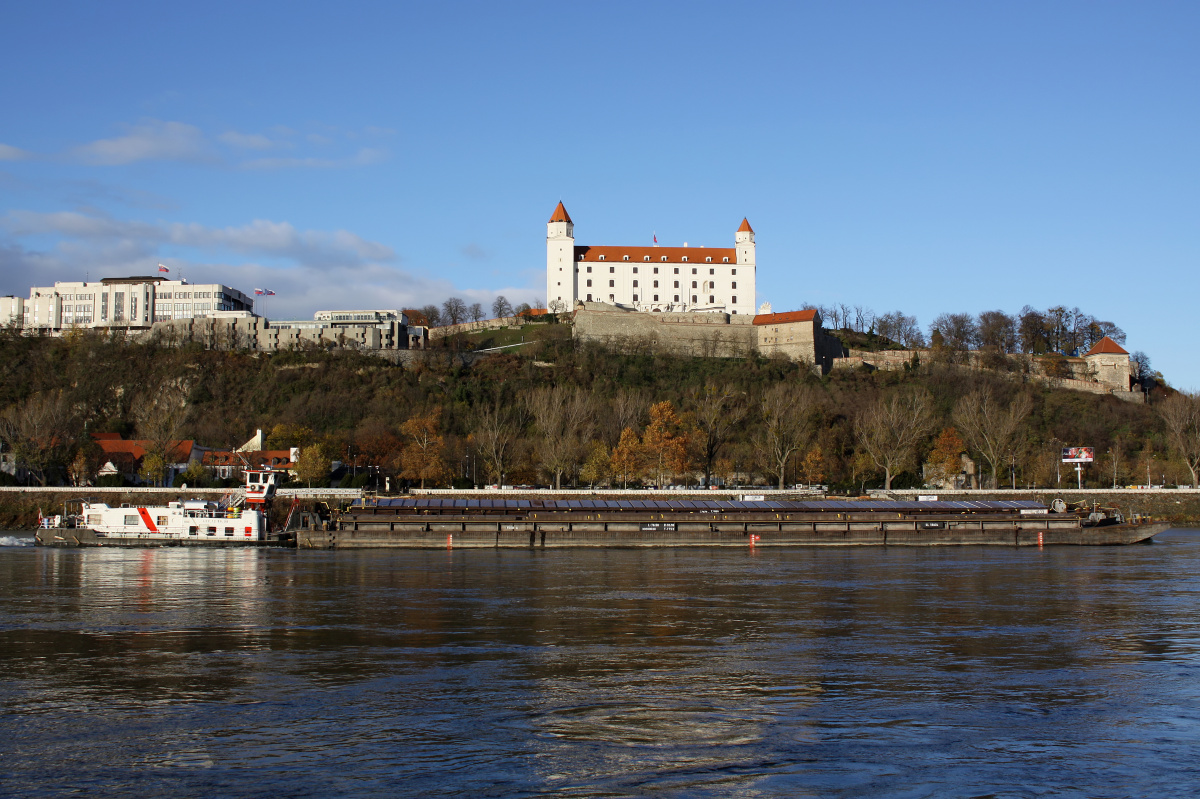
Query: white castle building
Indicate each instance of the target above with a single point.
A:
(665, 279)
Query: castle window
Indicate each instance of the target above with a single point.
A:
(685, 259)
(676, 298)
(712, 271)
(589, 285)
(664, 259)
(677, 270)
(676, 284)
(589, 270)
(656, 298)
(711, 300)
(611, 298)
(601, 257)
(693, 299)
(708, 260)
(635, 298)
(725, 260)
(656, 270)
(612, 269)
(646, 258)
(612, 283)
(693, 270)
(635, 284)
(635, 270)
(656, 284)
(589, 298)
(693, 284)
(733, 271)
(734, 284)
(625, 258)
(580, 256)
(735, 300)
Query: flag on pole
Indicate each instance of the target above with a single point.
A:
(162, 268)
(656, 238)
(269, 292)
(259, 291)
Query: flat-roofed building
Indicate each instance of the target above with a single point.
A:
(127, 302)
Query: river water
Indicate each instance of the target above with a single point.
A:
(669, 672)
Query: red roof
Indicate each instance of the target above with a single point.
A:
(106, 436)
(745, 228)
(138, 449)
(673, 255)
(266, 457)
(784, 318)
(560, 214)
(1106, 346)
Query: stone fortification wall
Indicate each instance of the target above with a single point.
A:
(474, 327)
(714, 335)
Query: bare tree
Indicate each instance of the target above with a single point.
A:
(959, 331)
(1181, 413)
(563, 417)
(454, 311)
(627, 409)
(501, 307)
(998, 330)
(718, 410)
(496, 429)
(475, 312)
(159, 415)
(788, 419)
(40, 432)
(990, 425)
(890, 429)
(433, 315)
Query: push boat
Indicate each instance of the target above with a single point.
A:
(239, 519)
(418, 522)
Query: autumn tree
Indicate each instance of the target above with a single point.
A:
(990, 425)
(665, 442)
(596, 468)
(563, 417)
(812, 466)
(788, 415)
(313, 465)
(422, 458)
(891, 428)
(1181, 413)
(717, 411)
(945, 461)
(627, 457)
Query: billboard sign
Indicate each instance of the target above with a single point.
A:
(1078, 454)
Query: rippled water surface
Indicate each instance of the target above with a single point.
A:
(667, 672)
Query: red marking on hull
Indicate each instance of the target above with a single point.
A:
(146, 518)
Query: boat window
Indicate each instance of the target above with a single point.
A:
(193, 530)
(254, 478)
(162, 520)
(212, 531)
(228, 531)
(131, 520)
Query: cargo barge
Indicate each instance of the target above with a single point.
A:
(412, 522)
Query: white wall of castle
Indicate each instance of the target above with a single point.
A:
(662, 279)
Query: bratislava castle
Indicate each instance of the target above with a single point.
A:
(666, 279)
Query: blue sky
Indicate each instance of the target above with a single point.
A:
(923, 157)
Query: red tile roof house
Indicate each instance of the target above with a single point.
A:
(227, 463)
(124, 456)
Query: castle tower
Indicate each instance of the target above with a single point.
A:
(561, 279)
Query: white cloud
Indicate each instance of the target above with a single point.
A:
(364, 157)
(10, 153)
(260, 238)
(246, 141)
(149, 140)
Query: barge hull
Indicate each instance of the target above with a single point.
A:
(82, 537)
(465, 533)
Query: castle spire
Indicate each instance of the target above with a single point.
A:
(745, 228)
(560, 214)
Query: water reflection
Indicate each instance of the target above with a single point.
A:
(610, 672)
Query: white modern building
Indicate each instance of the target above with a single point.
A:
(665, 279)
(126, 302)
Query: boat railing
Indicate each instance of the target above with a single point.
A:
(213, 513)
